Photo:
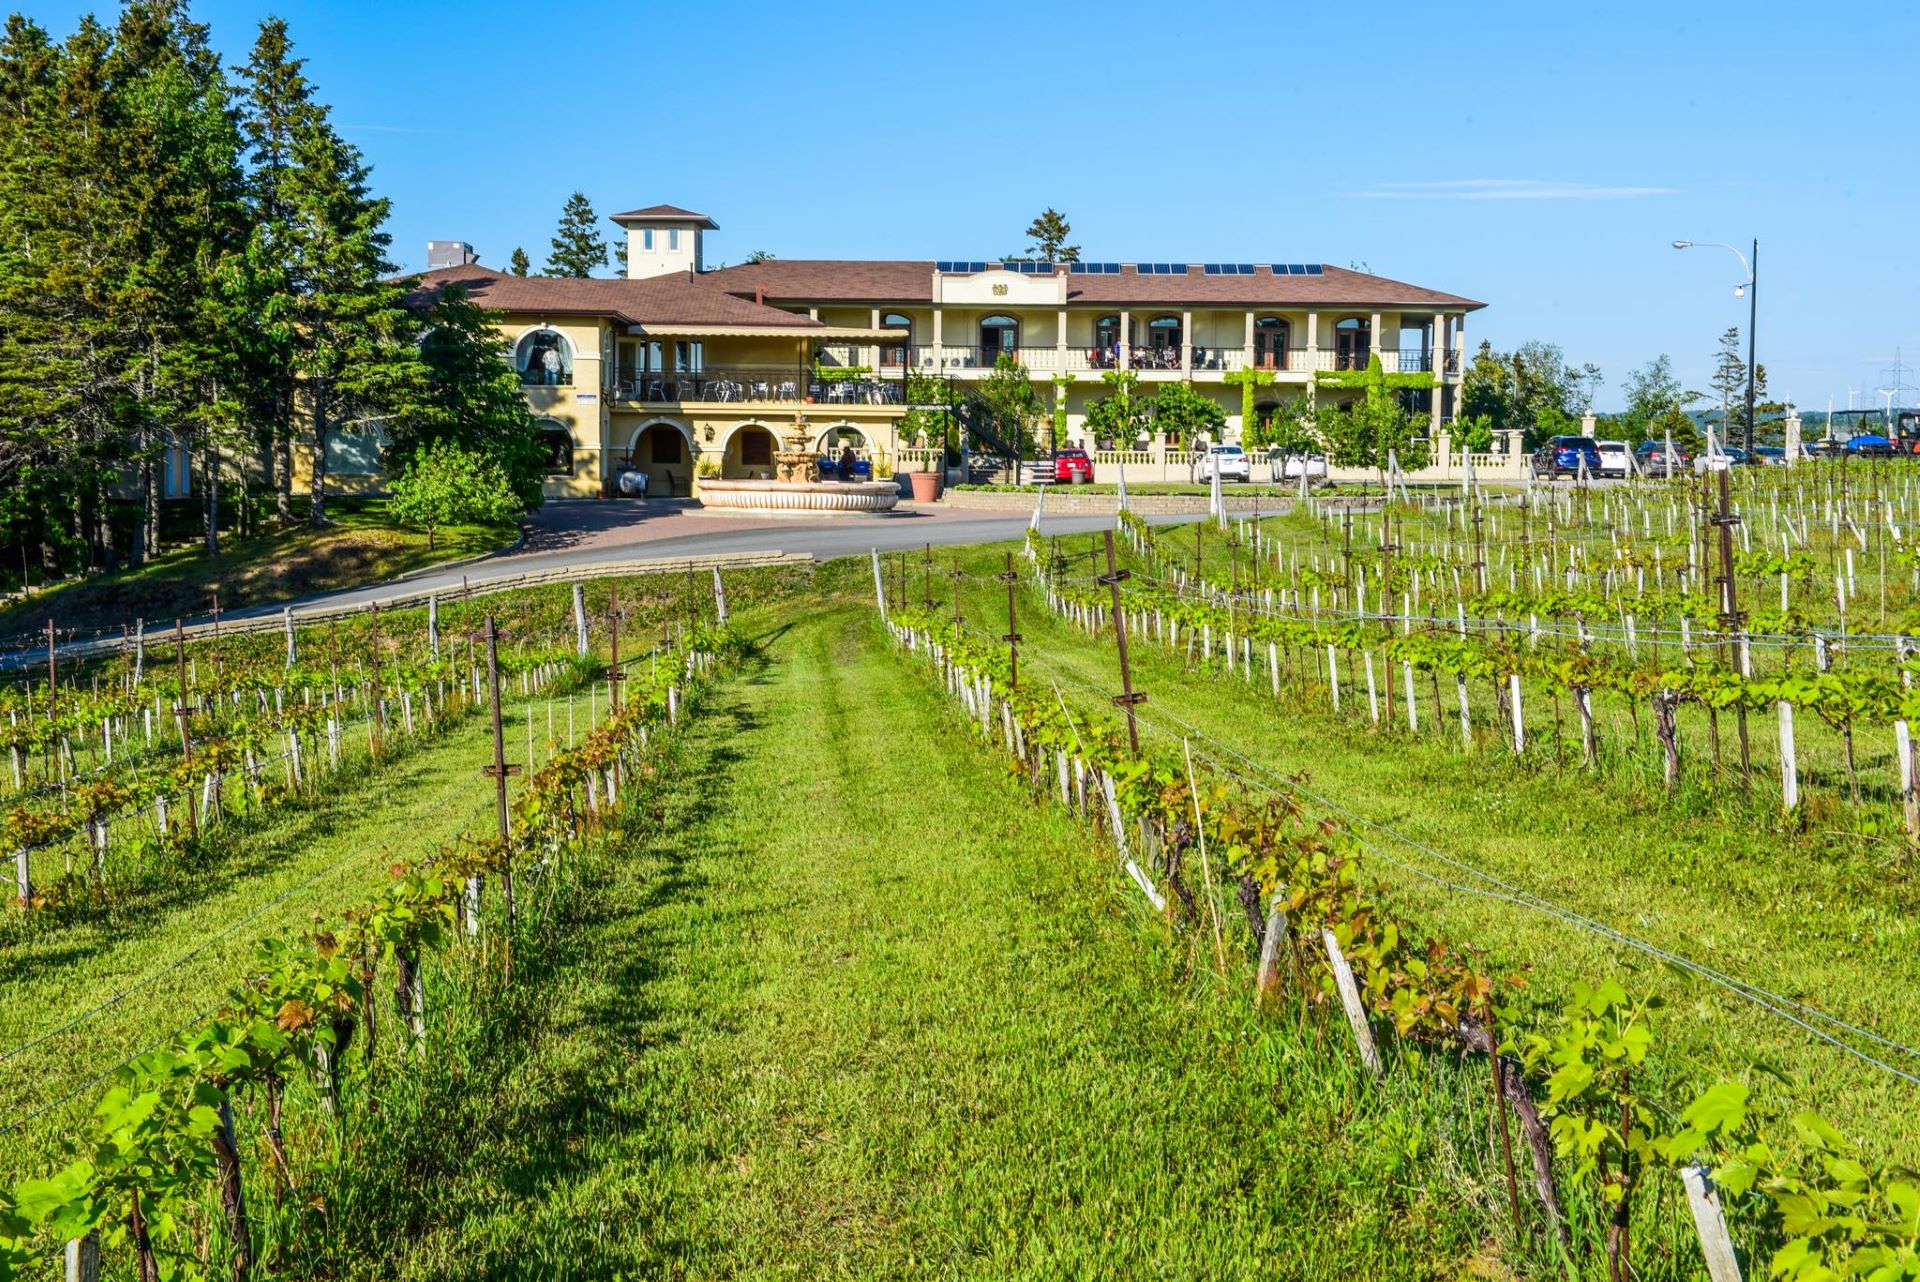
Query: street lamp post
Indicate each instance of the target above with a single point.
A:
(1751, 290)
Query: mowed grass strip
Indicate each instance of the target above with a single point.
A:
(857, 1007)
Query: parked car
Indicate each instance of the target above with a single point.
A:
(1563, 455)
(1735, 455)
(1288, 467)
(1072, 467)
(1770, 456)
(1231, 461)
(1615, 458)
(1655, 460)
(1871, 445)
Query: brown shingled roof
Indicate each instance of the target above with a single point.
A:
(673, 299)
(801, 280)
(664, 214)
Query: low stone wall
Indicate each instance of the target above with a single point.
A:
(1066, 502)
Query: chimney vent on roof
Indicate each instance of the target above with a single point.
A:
(450, 253)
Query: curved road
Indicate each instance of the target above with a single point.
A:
(567, 533)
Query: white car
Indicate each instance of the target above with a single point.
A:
(1616, 458)
(1231, 461)
(1290, 467)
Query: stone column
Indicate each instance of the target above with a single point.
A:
(1373, 340)
(1060, 341)
(1246, 346)
(1313, 340)
(939, 342)
(1126, 340)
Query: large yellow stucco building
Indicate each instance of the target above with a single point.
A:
(675, 370)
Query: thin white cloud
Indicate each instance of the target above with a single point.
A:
(1505, 189)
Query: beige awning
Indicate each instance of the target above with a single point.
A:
(818, 333)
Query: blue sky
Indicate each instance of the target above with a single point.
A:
(1539, 158)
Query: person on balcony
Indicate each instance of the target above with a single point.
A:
(550, 364)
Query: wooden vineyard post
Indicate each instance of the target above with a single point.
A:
(183, 712)
(1789, 765)
(580, 619)
(1128, 697)
(286, 620)
(1710, 1222)
(379, 690)
(433, 626)
(1351, 1003)
(720, 594)
(879, 585)
(499, 771)
(1011, 577)
(614, 676)
(53, 701)
(1909, 800)
(1272, 940)
(1519, 721)
(82, 1259)
(926, 577)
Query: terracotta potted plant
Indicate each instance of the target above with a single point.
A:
(926, 486)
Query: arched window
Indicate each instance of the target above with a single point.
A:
(557, 441)
(1352, 342)
(544, 358)
(998, 334)
(896, 356)
(1271, 338)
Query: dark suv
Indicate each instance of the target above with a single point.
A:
(1562, 456)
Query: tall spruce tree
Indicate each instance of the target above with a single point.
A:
(278, 107)
(518, 264)
(578, 246)
(348, 319)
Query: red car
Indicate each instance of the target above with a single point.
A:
(1072, 467)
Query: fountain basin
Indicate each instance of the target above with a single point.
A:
(799, 498)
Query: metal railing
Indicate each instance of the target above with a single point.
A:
(782, 385)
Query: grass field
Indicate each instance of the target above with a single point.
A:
(361, 546)
(857, 1007)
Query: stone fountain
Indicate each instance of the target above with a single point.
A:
(796, 489)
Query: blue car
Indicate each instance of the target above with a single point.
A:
(1871, 445)
(1562, 456)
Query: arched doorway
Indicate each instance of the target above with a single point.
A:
(748, 455)
(998, 334)
(1163, 342)
(663, 452)
(892, 357)
(1352, 342)
(1270, 342)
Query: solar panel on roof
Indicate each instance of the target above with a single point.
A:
(1313, 269)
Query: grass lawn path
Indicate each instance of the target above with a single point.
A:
(860, 1009)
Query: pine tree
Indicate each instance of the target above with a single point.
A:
(278, 106)
(1729, 381)
(1049, 234)
(578, 246)
(518, 264)
(349, 322)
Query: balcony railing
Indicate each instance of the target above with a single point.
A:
(540, 378)
(964, 358)
(783, 385)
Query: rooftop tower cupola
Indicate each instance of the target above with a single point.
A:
(662, 239)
